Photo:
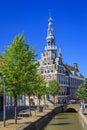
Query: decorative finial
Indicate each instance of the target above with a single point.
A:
(60, 50)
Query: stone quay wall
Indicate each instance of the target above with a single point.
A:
(44, 120)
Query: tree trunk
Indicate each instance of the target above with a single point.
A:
(44, 102)
(29, 106)
(39, 102)
(15, 109)
(40, 107)
(54, 101)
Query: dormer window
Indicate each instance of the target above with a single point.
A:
(74, 73)
(79, 74)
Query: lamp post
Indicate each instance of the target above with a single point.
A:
(4, 110)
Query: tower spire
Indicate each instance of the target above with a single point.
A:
(50, 31)
(60, 52)
(50, 39)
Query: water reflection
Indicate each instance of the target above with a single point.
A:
(65, 121)
(60, 124)
(62, 118)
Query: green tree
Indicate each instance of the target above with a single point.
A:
(29, 73)
(15, 66)
(40, 87)
(82, 91)
(53, 88)
(30, 80)
(1, 82)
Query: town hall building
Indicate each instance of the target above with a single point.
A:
(51, 66)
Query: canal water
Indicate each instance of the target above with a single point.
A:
(65, 121)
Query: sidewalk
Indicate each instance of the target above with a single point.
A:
(22, 121)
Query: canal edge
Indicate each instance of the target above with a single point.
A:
(40, 123)
(83, 118)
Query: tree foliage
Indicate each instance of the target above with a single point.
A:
(82, 91)
(13, 64)
(53, 87)
(40, 86)
(18, 66)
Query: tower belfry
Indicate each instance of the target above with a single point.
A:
(50, 48)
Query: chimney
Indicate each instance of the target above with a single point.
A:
(75, 65)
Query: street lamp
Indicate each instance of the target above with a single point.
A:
(4, 110)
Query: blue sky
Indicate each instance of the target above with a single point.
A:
(30, 17)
